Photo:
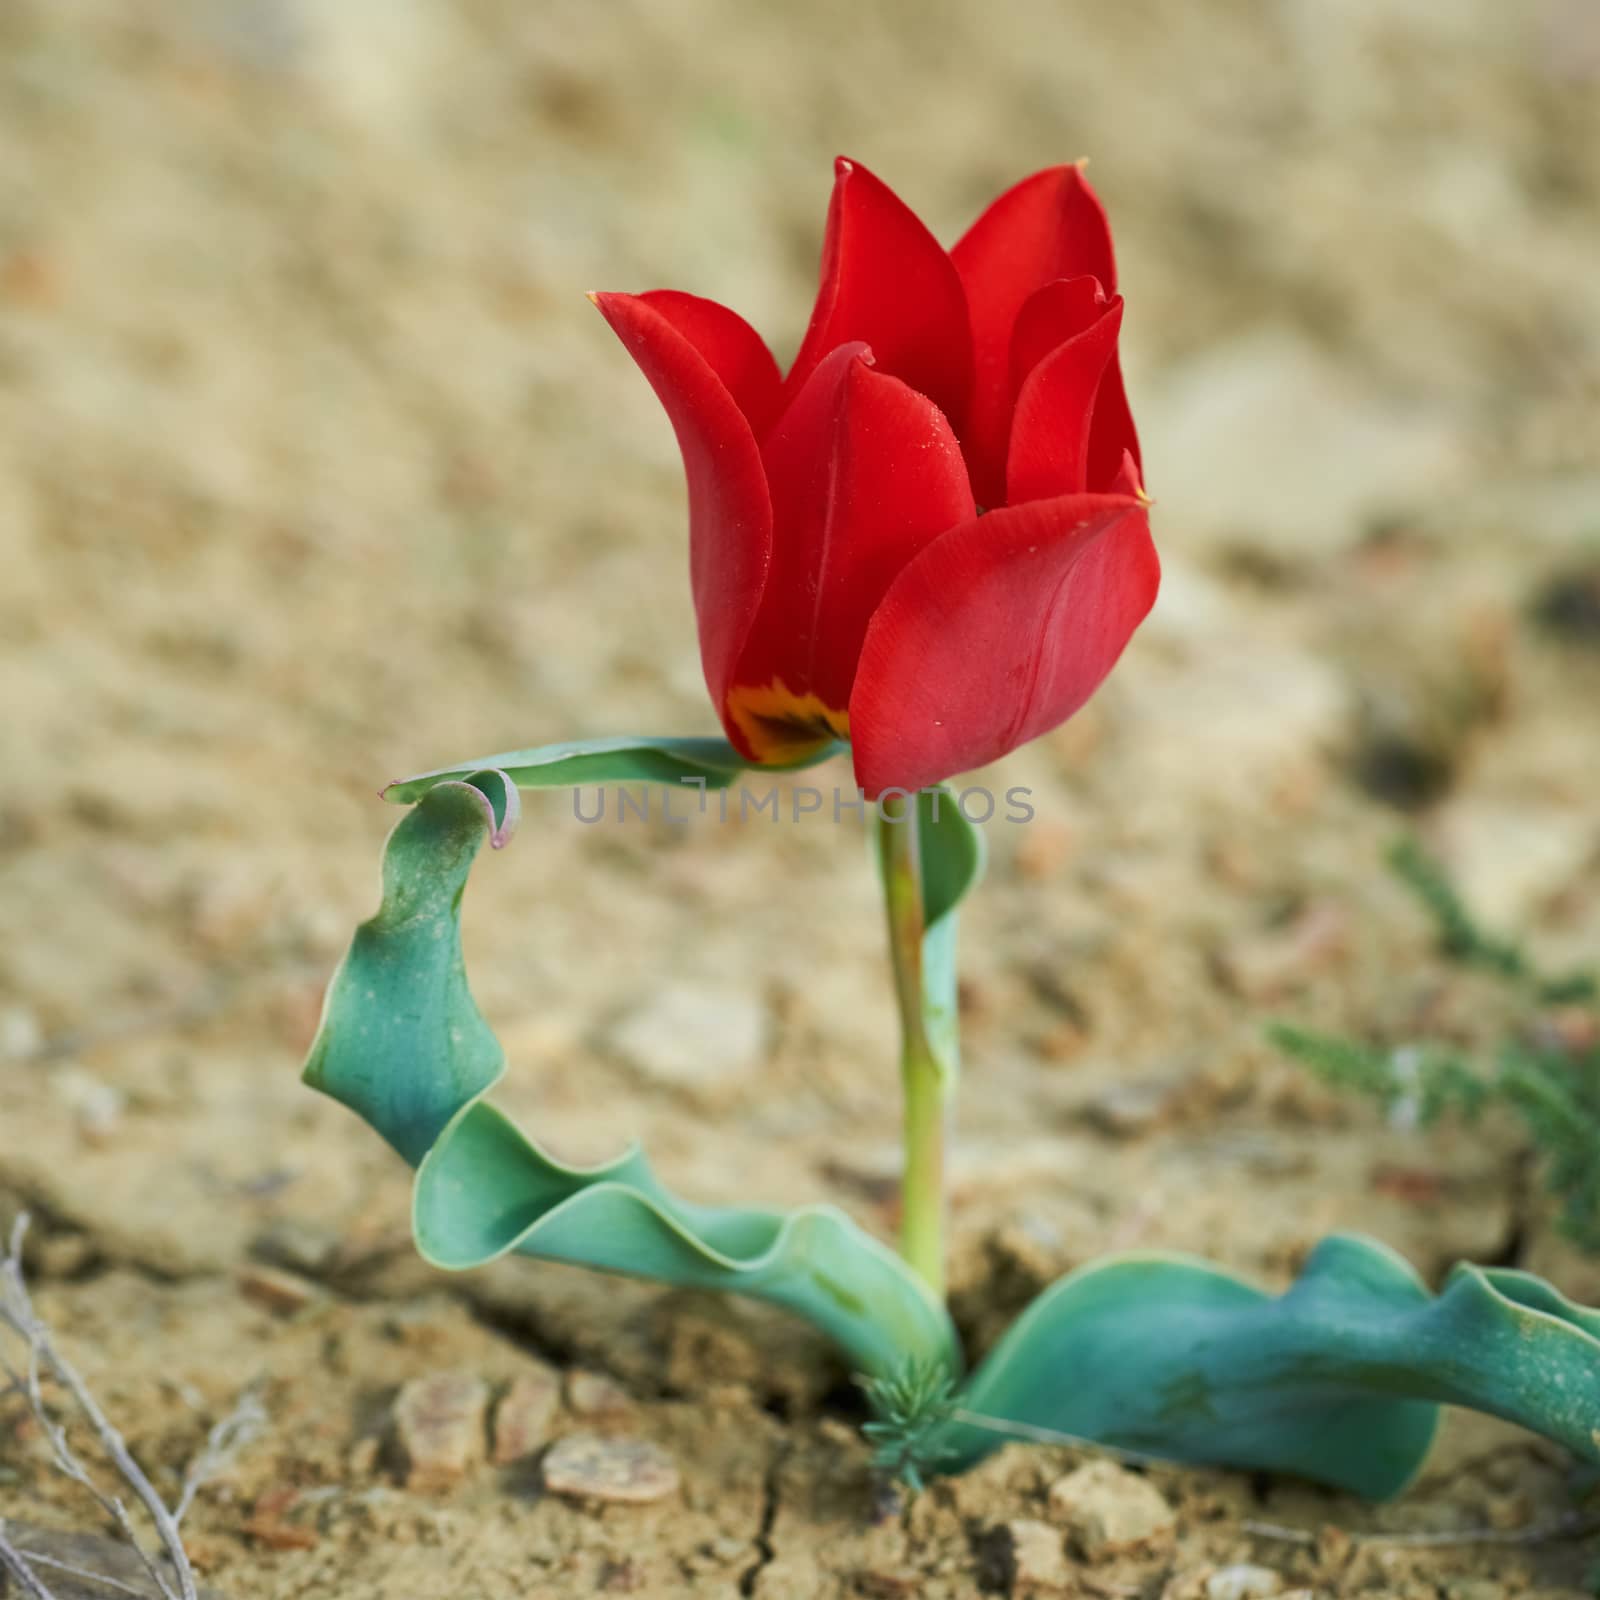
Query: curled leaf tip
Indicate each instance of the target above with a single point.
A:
(499, 798)
(493, 789)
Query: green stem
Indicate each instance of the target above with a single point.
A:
(922, 1192)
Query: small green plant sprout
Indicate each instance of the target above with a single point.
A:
(852, 602)
(1546, 1072)
(910, 1409)
(1463, 940)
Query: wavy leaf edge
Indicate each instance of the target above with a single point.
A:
(1341, 1376)
(814, 1260)
(1356, 1401)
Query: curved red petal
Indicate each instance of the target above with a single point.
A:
(864, 473)
(996, 633)
(730, 347)
(730, 511)
(1051, 315)
(1112, 435)
(1048, 318)
(1049, 226)
(1128, 479)
(1051, 427)
(886, 280)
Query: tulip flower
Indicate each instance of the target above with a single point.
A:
(929, 537)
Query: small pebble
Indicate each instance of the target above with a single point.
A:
(523, 1417)
(439, 1421)
(584, 1466)
(276, 1290)
(1243, 1582)
(596, 1397)
(1110, 1511)
(1036, 1560)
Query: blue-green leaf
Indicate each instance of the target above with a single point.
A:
(1339, 1380)
(952, 854)
(402, 1043)
(624, 759)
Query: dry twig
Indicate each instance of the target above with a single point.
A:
(42, 1358)
(37, 1558)
(236, 1432)
(13, 1561)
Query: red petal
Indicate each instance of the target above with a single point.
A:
(1050, 429)
(1049, 317)
(1049, 226)
(886, 280)
(1127, 480)
(864, 472)
(730, 513)
(1112, 435)
(996, 633)
(731, 348)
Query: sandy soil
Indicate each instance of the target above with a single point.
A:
(316, 468)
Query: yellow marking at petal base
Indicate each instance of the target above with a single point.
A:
(780, 725)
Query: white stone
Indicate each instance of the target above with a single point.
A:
(693, 1036)
(1243, 1582)
(1110, 1511)
(618, 1471)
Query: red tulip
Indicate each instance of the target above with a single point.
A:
(846, 582)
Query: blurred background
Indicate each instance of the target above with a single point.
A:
(317, 469)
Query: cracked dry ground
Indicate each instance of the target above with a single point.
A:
(316, 468)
